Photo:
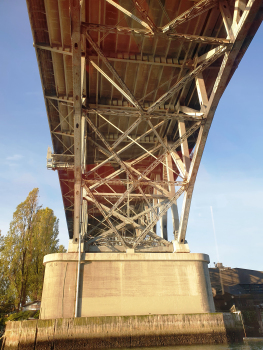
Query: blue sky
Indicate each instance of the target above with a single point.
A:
(230, 177)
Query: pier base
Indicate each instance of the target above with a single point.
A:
(125, 284)
(123, 331)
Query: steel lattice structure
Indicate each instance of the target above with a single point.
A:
(131, 88)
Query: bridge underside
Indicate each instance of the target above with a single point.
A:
(131, 88)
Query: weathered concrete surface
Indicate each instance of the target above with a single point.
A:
(123, 331)
(119, 284)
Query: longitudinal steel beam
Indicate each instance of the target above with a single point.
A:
(145, 59)
(154, 115)
(77, 103)
(142, 183)
(132, 195)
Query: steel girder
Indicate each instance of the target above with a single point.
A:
(124, 162)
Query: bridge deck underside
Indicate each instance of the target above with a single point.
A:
(130, 90)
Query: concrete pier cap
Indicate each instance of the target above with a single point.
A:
(125, 284)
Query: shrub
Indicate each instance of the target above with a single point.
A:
(23, 315)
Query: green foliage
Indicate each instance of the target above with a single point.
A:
(18, 246)
(33, 233)
(61, 249)
(23, 315)
(6, 297)
(250, 316)
(44, 241)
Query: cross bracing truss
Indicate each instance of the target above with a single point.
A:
(131, 87)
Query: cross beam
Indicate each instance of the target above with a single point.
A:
(157, 33)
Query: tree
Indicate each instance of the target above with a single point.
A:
(6, 297)
(33, 233)
(18, 245)
(44, 241)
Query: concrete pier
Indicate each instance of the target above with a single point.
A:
(125, 300)
(123, 284)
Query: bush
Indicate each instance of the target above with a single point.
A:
(250, 316)
(23, 315)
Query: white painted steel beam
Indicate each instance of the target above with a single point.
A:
(227, 19)
(196, 10)
(113, 83)
(184, 148)
(170, 35)
(186, 113)
(126, 220)
(205, 61)
(52, 49)
(77, 104)
(145, 198)
(174, 208)
(128, 13)
(240, 5)
(201, 92)
(65, 99)
(163, 221)
(122, 86)
(162, 212)
(179, 163)
(149, 22)
(163, 224)
(218, 89)
(145, 59)
(211, 53)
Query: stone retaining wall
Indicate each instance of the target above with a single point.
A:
(122, 331)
